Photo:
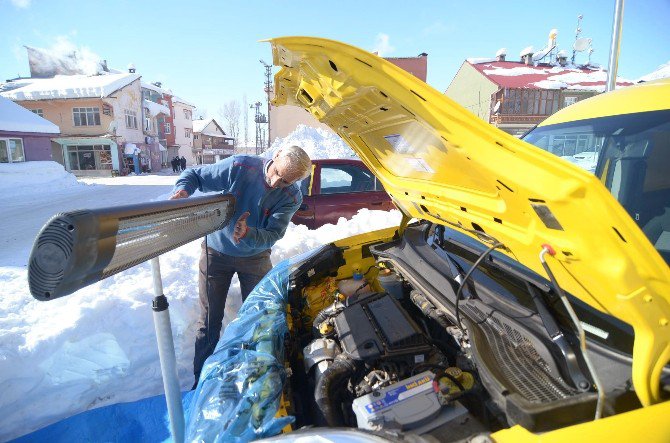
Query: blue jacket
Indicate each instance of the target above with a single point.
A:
(244, 177)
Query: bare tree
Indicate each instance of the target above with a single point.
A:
(231, 112)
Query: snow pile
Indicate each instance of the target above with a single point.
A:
(97, 346)
(662, 71)
(317, 142)
(26, 178)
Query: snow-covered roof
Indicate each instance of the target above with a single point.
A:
(70, 86)
(16, 118)
(176, 99)
(662, 71)
(156, 108)
(156, 88)
(509, 74)
(199, 125)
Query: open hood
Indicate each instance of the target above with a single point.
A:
(443, 164)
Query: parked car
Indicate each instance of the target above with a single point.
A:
(517, 300)
(339, 188)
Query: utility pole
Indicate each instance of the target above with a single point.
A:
(260, 119)
(268, 88)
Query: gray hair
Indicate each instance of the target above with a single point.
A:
(298, 159)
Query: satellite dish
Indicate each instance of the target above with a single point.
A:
(581, 44)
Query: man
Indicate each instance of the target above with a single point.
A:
(182, 163)
(266, 196)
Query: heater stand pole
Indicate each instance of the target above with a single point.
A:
(167, 356)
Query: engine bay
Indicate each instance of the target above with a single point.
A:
(392, 356)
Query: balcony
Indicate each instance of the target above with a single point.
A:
(520, 119)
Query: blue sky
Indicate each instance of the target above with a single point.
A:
(208, 51)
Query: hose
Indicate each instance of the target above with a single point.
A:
(330, 311)
(329, 389)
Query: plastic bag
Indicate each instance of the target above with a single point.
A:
(241, 383)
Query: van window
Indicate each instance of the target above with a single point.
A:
(633, 160)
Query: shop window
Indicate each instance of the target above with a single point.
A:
(11, 150)
(90, 157)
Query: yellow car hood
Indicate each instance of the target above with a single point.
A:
(441, 163)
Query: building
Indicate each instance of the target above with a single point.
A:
(99, 116)
(210, 143)
(516, 95)
(164, 122)
(284, 119)
(24, 135)
(183, 129)
(153, 116)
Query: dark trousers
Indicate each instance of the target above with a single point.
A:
(216, 273)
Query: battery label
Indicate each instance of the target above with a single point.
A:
(400, 393)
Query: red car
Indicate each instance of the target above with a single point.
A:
(339, 188)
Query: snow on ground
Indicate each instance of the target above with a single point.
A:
(97, 346)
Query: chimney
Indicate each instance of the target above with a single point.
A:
(527, 55)
(131, 68)
(562, 57)
(501, 54)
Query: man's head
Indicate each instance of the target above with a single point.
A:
(288, 165)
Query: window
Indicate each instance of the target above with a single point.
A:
(346, 178)
(195, 137)
(11, 150)
(86, 116)
(188, 132)
(567, 101)
(131, 119)
(39, 112)
(148, 124)
(529, 102)
(90, 157)
(168, 128)
(107, 110)
(187, 114)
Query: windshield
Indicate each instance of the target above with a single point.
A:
(631, 155)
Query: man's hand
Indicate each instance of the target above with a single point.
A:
(179, 194)
(241, 227)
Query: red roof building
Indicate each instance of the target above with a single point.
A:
(515, 96)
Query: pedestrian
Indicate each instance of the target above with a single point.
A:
(174, 164)
(267, 196)
(182, 163)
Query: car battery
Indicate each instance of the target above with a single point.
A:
(403, 405)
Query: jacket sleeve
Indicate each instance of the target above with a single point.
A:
(208, 178)
(266, 237)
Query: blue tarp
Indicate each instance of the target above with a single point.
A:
(144, 420)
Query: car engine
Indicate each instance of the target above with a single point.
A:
(374, 367)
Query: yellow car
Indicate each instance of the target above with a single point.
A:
(521, 299)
